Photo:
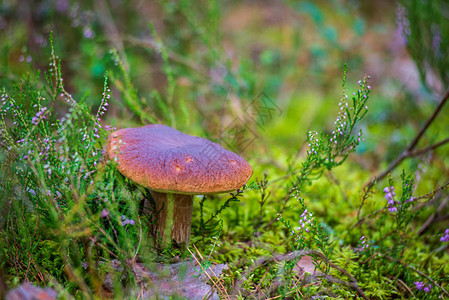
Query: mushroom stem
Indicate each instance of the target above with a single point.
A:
(175, 219)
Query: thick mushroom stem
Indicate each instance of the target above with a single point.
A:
(175, 218)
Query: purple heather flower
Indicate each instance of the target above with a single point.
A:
(364, 243)
(127, 221)
(389, 196)
(445, 237)
(419, 285)
(393, 209)
(436, 41)
(305, 219)
(88, 33)
(104, 213)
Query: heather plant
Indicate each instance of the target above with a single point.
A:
(63, 205)
(128, 91)
(307, 225)
(309, 238)
(77, 212)
(213, 225)
(325, 152)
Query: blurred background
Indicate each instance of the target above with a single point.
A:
(256, 77)
(205, 67)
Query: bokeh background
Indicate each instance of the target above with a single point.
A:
(222, 56)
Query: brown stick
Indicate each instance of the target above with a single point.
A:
(432, 217)
(292, 255)
(406, 287)
(151, 43)
(416, 270)
(408, 152)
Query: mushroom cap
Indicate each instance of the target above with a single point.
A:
(166, 160)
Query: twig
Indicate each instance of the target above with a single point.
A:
(432, 194)
(366, 194)
(429, 196)
(442, 218)
(298, 291)
(408, 152)
(110, 28)
(223, 290)
(429, 121)
(433, 216)
(406, 286)
(257, 286)
(341, 282)
(140, 240)
(150, 43)
(292, 255)
(439, 249)
(367, 217)
(429, 148)
(290, 292)
(414, 269)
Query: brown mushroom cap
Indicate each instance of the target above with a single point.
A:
(166, 160)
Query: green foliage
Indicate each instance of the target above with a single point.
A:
(212, 226)
(425, 26)
(128, 91)
(62, 202)
(70, 220)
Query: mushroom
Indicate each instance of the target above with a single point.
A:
(175, 166)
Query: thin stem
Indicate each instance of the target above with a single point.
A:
(416, 270)
(150, 43)
(433, 216)
(429, 148)
(408, 152)
(429, 121)
(299, 253)
(430, 196)
(110, 28)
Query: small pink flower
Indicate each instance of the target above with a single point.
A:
(104, 213)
